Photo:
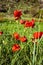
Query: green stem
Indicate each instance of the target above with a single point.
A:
(34, 54)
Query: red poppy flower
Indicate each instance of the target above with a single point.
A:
(1, 32)
(16, 36)
(29, 23)
(15, 47)
(22, 21)
(17, 14)
(32, 22)
(23, 39)
(37, 35)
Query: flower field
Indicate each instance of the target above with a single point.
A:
(21, 40)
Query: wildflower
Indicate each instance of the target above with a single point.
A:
(23, 39)
(37, 35)
(16, 36)
(22, 21)
(27, 23)
(17, 14)
(30, 23)
(15, 47)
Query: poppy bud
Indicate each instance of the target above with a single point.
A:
(22, 21)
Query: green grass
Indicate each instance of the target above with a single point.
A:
(41, 26)
(25, 56)
(14, 26)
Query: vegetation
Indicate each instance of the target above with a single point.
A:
(29, 52)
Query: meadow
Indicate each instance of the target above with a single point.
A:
(28, 49)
